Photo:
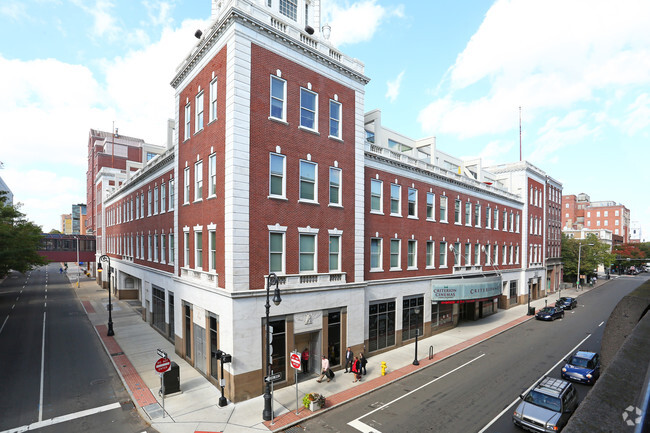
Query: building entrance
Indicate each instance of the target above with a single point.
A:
(312, 342)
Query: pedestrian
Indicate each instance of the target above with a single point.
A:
(349, 357)
(324, 369)
(60, 270)
(356, 369)
(304, 360)
(363, 361)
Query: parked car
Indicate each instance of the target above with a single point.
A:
(547, 407)
(550, 313)
(583, 367)
(566, 303)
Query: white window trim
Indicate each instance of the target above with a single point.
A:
(300, 125)
(415, 215)
(198, 113)
(381, 252)
(213, 100)
(188, 122)
(306, 200)
(414, 267)
(340, 120)
(399, 255)
(399, 200)
(284, 100)
(381, 197)
(198, 178)
(284, 176)
(340, 187)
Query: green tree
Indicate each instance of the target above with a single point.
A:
(19, 240)
(55, 232)
(594, 252)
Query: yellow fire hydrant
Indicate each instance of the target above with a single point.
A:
(383, 368)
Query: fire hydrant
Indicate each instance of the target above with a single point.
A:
(383, 368)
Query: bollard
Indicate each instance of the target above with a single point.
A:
(383, 368)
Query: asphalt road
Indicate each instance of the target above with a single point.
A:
(52, 363)
(475, 390)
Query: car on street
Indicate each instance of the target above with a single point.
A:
(547, 407)
(550, 313)
(583, 367)
(567, 303)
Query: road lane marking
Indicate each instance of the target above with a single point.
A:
(62, 418)
(40, 401)
(601, 324)
(534, 383)
(362, 427)
(3, 323)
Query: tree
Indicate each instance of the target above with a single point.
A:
(590, 256)
(20, 240)
(55, 232)
(629, 255)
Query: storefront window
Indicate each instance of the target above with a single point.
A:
(158, 299)
(334, 338)
(214, 346)
(278, 344)
(381, 318)
(441, 314)
(513, 292)
(412, 317)
(170, 301)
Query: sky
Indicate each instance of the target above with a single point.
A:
(457, 70)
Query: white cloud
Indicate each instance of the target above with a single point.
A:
(392, 91)
(105, 25)
(638, 115)
(14, 10)
(356, 22)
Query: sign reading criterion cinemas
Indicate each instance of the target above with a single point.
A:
(465, 289)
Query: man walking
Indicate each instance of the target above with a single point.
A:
(349, 358)
(324, 370)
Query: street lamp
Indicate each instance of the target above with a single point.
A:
(578, 276)
(105, 258)
(77, 237)
(272, 279)
(224, 358)
(416, 310)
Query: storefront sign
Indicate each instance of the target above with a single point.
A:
(465, 289)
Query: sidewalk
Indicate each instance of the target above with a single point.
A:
(133, 352)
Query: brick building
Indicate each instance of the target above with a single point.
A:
(275, 168)
(580, 212)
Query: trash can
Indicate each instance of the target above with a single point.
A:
(531, 311)
(172, 380)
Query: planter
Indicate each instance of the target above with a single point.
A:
(313, 401)
(314, 406)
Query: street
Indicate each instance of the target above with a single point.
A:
(56, 375)
(475, 391)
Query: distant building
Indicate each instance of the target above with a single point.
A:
(78, 219)
(605, 236)
(9, 194)
(66, 224)
(580, 212)
(636, 233)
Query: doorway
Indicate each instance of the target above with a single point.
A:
(312, 342)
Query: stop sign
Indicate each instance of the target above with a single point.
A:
(162, 365)
(295, 360)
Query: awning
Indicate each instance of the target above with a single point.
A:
(465, 289)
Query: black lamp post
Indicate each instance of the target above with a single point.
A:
(105, 258)
(530, 283)
(271, 280)
(224, 358)
(417, 331)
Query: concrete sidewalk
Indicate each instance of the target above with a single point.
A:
(133, 352)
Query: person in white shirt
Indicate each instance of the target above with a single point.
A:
(325, 366)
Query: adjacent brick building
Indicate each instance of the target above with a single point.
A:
(580, 212)
(275, 168)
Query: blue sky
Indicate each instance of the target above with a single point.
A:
(457, 70)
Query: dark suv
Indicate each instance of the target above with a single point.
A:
(547, 407)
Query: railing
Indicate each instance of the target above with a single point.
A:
(309, 280)
(209, 279)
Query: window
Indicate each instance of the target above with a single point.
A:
(212, 173)
(504, 253)
(495, 259)
(413, 202)
(276, 252)
(278, 345)
(155, 201)
(457, 217)
(477, 215)
(289, 8)
(395, 196)
(163, 248)
(505, 220)
(187, 122)
(308, 109)
(496, 219)
(277, 185)
(186, 255)
(335, 253)
(308, 181)
(335, 186)
(307, 253)
(395, 245)
(488, 217)
(335, 119)
(443, 209)
(477, 254)
(186, 178)
(163, 196)
(411, 258)
(137, 206)
(468, 254)
(430, 253)
(198, 123)
(616, 223)
(198, 250)
(375, 254)
(412, 317)
(213, 100)
(213, 249)
(171, 194)
(488, 255)
(512, 218)
(442, 254)
(334, 337)
(198, 180)
(149, 249)
(149, 206)
(214, 346)
(430, 206)
(375, 195)
(381, 325)
(155, 247)
(598, 214)
(468, 213)
(615, 213)
(517, 254)
(278, 96)
(510, 253)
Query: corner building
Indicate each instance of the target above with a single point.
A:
(276, 169)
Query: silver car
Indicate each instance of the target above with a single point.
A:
(547, 407)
